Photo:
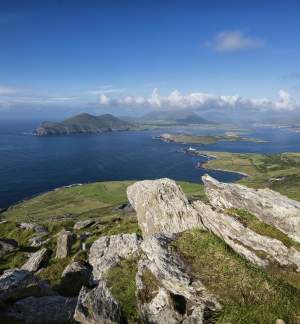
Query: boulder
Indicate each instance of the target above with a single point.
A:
(37, 241)
(170, 294)
(84, 224)
(35, 227)
(36, 260)
(64, 244)
(269, 206)
(16, 284)
(47, 309)
(76, 275)
(258, 249)
(96, 306)
(7, 245)
(107, 251)
(162, 207)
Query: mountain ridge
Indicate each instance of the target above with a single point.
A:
(83, 123)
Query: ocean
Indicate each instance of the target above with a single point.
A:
(30, 165)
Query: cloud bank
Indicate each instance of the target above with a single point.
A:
(230, 41)
(200, 100)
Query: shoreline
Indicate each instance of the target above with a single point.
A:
(210, 157)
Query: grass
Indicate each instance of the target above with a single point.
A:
(12, 260)
(252, 222)
(52, 273)
(247, 293)
(205, 139)
(12, 231)
(121, 281)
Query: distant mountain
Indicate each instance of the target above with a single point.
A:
(179, 116)
(84, 123)
(194, 119)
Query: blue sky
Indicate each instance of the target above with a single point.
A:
(113, 54)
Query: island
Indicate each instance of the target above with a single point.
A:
(207, 139)
(84, 123)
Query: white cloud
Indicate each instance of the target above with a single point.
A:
(8, 91)
(235, 40)
(103, 99)
(105, 89)
(200, 100)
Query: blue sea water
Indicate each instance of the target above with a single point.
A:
(30, 165)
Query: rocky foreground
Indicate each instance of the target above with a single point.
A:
(259, 229)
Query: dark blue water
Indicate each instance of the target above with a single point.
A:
(30, 165)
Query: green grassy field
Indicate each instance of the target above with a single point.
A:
(206, 139)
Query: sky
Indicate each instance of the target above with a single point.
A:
(128, 57)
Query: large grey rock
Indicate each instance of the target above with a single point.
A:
(16, 284)
(76, 275)
(174, 295)
(256, 248)
(83, 224)
(36, 260)
(158, 305)
(172, 270)
(107, 251)
(97, 306)
(64, 244)
(7, 245)
(48, 309)
(162, 207)
(269, 206)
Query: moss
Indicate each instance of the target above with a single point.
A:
(121, 281)
(248, 294)
(151, 287)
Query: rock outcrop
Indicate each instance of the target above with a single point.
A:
(83, 224)
(64, 244)
(40, 229)
(48, 310)
(7, 245)
(36, 260)
(16, 284)
(107, 251)
(76, 275)
(96, 306)
(39, 240)
(258, 249)
(269, 206)
(162, 207)
(174, 295)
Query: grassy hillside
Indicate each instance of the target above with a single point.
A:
(249, 294)
(79, 202)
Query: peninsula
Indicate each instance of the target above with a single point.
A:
(206, 139)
